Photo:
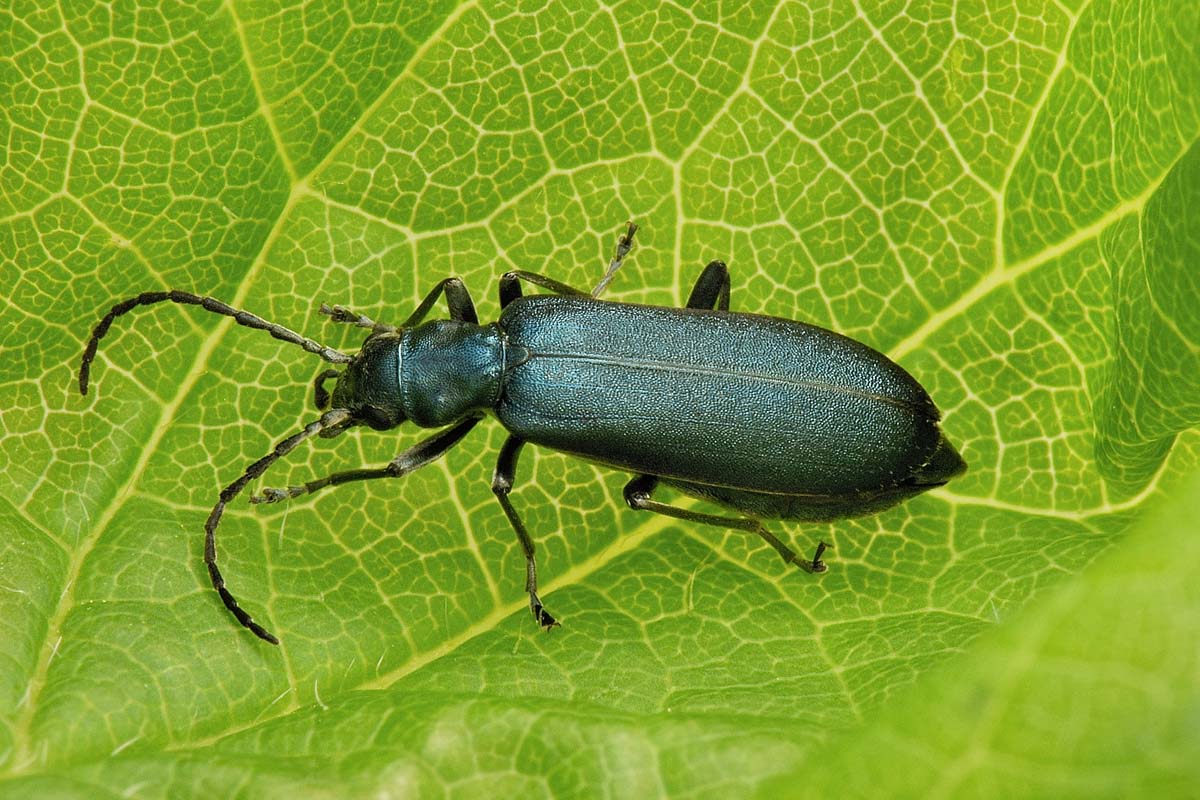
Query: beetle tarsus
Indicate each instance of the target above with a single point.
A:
(543, 617)
(818, 566)
(343, 314)
(624, 245)
(270, 495)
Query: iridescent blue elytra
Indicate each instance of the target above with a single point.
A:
(765, 416)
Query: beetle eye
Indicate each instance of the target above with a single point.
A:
(377, 418)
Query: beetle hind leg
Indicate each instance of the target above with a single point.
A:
(638, 494)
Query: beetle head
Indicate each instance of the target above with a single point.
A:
(370, 386)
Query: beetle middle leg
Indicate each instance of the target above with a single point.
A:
(638, 494)
(502, 484)
(510, 286)
(711, 291)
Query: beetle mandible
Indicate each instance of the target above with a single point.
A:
(766, 416)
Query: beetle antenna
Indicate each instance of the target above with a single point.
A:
(208, 304)
(330, 424)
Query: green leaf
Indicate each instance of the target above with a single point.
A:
(1094, 690)
(1154, 389)
(1001, 198)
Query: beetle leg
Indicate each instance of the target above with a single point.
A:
(413, 458)
(510, 282)
(638, 495)
(817, 564)
(712, 288)
(624, 245)
(458, 300)
(320, 393)
(510, 286)
(502, 484)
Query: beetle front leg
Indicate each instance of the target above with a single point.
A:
(458, 300)
(346, 315)
(638, 495)
(320, 393)
(413, 458)
(502, 484)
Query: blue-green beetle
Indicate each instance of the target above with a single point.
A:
(766, 416)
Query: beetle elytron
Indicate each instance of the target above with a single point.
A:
(766, 416)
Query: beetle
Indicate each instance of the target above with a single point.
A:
(768, 417)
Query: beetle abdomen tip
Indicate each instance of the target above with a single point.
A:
(944, 465)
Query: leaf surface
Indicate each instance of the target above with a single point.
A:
(1004, 202)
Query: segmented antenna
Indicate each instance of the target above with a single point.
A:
(208, 304)
(330, 424)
